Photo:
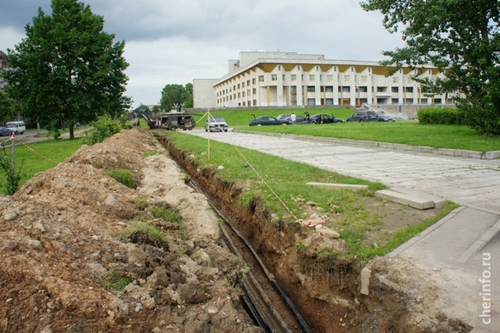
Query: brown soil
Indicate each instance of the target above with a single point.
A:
(67, 235)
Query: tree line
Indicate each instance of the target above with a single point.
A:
(68, 70)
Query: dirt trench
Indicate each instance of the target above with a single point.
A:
(326, 291)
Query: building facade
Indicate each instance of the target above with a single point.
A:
(281, 79)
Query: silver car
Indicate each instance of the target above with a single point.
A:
(216, 124)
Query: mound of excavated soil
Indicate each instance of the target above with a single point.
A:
(66, 237)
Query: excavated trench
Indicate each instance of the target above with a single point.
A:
(324, 290)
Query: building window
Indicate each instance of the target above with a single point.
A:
(395, 89)
(253, 81)
(347, 78)
(363, 89)
(395, 79)
(409, 89)
(346, 89)
(298, 67)
(312, 77)
(311, 89)
(329, 89)
(248, 82)
(279, 67)
(274, 77)
(317, 68)
(311, 101)
(364, 78)
(243, 84)
(254, 91)
(261, 78)
(293, 77)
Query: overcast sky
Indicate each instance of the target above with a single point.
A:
(174, 42)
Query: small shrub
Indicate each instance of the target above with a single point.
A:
(13, 177)
(123, 176)
(441, 116)
(104, 127)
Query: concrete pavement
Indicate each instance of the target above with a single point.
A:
(464, 247)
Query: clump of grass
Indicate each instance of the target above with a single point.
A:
(327, 252)
(123, 176)
(141, 203)
(150, 153)
(149, 231)
(111, 282)
(299, 245)
(166, 213)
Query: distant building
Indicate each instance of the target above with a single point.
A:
(278, 79)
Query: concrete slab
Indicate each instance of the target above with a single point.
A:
(438, 201)
(406, 199)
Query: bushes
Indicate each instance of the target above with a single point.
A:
(441, 116)
(103, 128)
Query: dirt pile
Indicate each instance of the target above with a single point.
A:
(71, 235)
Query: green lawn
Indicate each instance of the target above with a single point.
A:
(39, 157)
(404, 132)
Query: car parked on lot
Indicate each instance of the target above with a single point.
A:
(384, 117)
(323, 118)
(264, 121)
(362, 116)
(18, 127)
(5, 131)
(286, 119)
(216, 124)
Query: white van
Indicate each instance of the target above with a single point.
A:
(18, 127)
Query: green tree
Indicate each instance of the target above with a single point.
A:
(67, 69)
(462, 39)
(6, 107)
(189, 102)
(173, 95)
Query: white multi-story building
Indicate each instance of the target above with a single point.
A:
(278, 79)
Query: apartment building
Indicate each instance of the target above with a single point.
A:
(278, 79)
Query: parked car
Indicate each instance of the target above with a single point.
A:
(322, 118)
(361, 116)
(265, 120)
(18, 127)
(385, 117)
(286, 119)
(217, 124)
(5, 131)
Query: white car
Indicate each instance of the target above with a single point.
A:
(18, 127)
(216, 124)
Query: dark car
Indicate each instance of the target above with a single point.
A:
(323, 118)
(265, 120)
(217, 124)
(361, 116)
(5, 131)
(385, 118)
(286, 119)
